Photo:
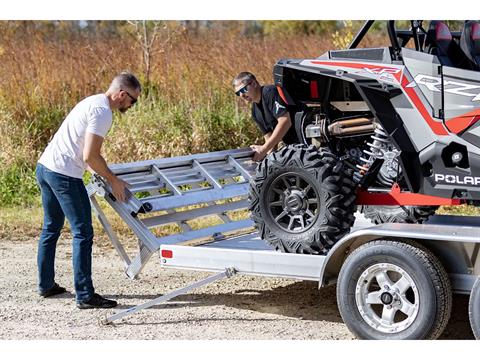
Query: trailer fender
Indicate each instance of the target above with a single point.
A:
(339, 252)
(457, 247)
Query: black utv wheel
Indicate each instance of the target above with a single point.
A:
(398, 214)
(474, 309)
(394, 290)
(302, 199)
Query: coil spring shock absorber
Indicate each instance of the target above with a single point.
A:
(377, 150)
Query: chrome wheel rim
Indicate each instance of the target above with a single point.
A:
(387, 298)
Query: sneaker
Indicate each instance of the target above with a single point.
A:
(54, 290)
(96, 301)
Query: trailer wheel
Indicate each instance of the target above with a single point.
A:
(302, 199)
(474, 309)
(394, 290)
(397, 214)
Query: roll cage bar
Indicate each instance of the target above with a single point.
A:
(398, 38)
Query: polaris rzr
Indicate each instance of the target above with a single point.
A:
(392, 129)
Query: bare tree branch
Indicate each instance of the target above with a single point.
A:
(147, 36)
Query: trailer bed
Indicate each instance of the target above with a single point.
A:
(249, 255)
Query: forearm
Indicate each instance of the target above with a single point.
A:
(277, 134)
(98, 164)
(267, 137)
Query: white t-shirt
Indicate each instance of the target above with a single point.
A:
(64, 154)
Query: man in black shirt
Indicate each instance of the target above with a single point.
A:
(269, 111)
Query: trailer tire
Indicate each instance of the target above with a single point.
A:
(398, 214)
(474, 309)
(302, 199)
(394, 290)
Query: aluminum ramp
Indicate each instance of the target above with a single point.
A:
(174, 191)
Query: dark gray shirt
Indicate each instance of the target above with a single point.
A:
(269, 109)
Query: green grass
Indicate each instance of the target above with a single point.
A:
(22, 222)
(153, 129)
(18, 186)
(19, 222)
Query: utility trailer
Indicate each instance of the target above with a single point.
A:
(394, 281)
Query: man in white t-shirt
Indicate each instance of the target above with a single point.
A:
(74, 148)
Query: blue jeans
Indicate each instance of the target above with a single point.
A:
(65, 196)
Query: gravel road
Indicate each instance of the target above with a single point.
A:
(242, 307)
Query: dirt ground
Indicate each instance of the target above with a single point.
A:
(242, 307)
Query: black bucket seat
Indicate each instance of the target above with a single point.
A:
(470, 42)
(440, 42)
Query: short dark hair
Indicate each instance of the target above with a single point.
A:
(125, 80)
(244, 77)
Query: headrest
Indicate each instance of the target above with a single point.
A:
(438, 32)
(470, 40)
(475, 31)
(439, 40)
(442, 32)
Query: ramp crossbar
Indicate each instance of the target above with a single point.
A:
(213, 186)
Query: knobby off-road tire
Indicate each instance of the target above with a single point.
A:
(302, 199)
(474, 309)
(390, 289)
(398, 214)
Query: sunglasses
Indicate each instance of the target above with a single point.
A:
(243, 90)
(134, 100)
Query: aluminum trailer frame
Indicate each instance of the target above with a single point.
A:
(454, 239)
(214, 184)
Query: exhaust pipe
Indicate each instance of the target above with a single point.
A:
(351, 127)
(342, 128)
